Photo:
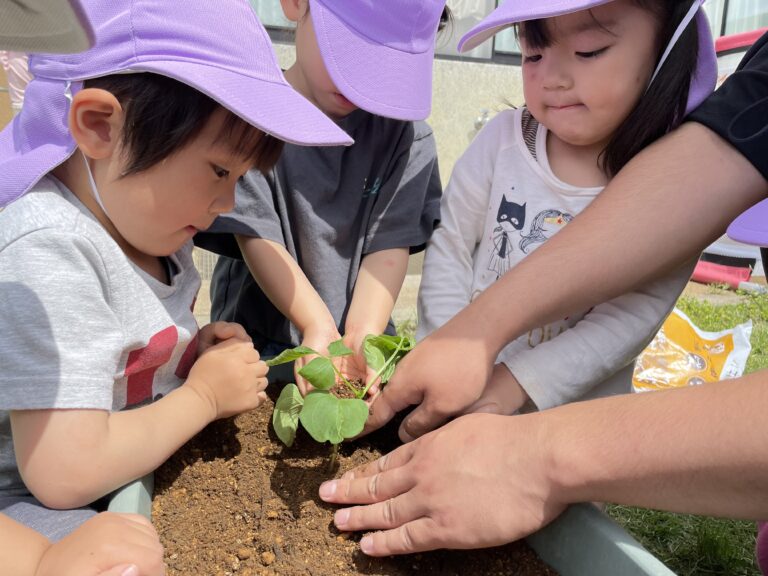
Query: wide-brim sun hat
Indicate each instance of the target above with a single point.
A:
(752, 226)
(219, 48)
(380, 53)
(517, 11)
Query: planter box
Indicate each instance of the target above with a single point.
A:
(582, 542)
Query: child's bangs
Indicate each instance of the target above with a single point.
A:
(251, 143)
(535, 33)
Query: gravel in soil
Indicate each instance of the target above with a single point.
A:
(235, 501)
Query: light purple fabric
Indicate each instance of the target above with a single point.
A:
(751, 228)
(218, 47)
(516, 11)
(379, 53)
(762, 547)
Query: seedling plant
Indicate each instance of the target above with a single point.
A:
(326, 413)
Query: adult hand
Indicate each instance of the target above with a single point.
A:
(444, 374)
(480, 481)
(106, 545)
(502, 395)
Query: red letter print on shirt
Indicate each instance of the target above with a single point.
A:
(143, 363)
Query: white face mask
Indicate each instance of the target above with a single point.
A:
(94, 189)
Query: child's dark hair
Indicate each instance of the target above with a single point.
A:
(162, 115)
(662, 108)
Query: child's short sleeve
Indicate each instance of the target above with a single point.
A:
(60, 341)
(407, 209)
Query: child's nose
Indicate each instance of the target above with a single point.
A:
(225, 202)
(556, 75)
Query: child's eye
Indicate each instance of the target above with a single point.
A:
(592, 54)
(219, 171)
(532, 58)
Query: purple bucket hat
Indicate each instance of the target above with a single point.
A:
(752, 228)
(44, 26)
(516, 11)
(219, 48)
(379, 53)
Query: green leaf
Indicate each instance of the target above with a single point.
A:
(383, 352)
(285, 417)
(338, 349)
(320, 373)
(331, 419)
(290, 355)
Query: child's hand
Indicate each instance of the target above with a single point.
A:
(317, 338)
(502, 395)
(106, 545)
(231, 377)
(355, 366)
(215, 332)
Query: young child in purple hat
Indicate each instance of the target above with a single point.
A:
(119, 157)
(602, 80)
(325, 236)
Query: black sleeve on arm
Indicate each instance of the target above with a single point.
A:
(738, 110)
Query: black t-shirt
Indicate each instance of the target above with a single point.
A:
(738, 110)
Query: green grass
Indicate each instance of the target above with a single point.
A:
(695, 545)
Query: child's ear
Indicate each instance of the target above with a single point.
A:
(294, 10)
(96, 122)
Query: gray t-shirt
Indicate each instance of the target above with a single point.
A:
(82, 327)
(329, 207)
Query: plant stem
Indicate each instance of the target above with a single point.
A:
(340, 375)
(334, 456)
(381, 370)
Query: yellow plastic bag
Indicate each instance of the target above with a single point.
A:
(683, 355)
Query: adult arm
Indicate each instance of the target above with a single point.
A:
(607, 339)
(484, 480)
(665, 206)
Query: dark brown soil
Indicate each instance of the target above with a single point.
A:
(235, 501)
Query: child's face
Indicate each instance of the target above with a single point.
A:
(309, 75)
(158, 210)
(584, 85)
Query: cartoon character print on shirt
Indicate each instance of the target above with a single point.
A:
(543, 227)
(143, 364)
(510, 217)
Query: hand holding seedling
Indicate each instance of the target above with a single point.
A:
(316, 337)
(444, 375)
(479, 481)
(230, 377)
(335, 410)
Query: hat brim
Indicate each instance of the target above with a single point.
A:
(752, 226)
(273, 107)
(514, 11)
(379, 79)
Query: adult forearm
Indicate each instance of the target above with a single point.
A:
(663, 208)
(697, 450)
(20, 548)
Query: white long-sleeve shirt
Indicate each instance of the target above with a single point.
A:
(503, 201)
